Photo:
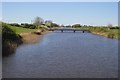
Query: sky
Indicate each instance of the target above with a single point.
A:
(84, 13)
(60, 0)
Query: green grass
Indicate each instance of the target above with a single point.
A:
(10, 40)
(19, 30)
(83, 28)
(106, 31)
(116, 32)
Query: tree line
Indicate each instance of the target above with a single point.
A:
(39, 22)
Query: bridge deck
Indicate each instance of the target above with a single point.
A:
(68, 29)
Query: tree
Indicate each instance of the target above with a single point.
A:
(76, 25)
(15, 24)
(85, 26)
(48, 23)
(62, 25)
(68, 26)
(55, 25)
(38, 21)
(109, 26)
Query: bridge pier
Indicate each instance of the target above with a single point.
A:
(74, 31)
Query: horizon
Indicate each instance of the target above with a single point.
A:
(62, 13)
(64, 25)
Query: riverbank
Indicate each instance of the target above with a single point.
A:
(112, 35)
(29, 38)
(9, 47)
(100, 34)
(13, 36)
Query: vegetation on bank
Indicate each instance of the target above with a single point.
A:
(19, 30)
(11, 38)
(113, 33)
(110, 32)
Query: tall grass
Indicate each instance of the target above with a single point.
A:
(113, 32)
(105, 31)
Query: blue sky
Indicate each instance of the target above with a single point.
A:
(85, 13)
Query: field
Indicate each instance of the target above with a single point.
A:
(19, 30)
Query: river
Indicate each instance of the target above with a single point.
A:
(64, 55)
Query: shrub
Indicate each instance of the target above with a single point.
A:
(110, 35)
(15, 24)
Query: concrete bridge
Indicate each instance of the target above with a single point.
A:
(69, 29)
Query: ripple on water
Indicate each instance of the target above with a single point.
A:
(64, 55)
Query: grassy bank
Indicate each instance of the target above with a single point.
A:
(107, 32)
(19, 30)
(113, 33)
(14, 36)
(10, 40)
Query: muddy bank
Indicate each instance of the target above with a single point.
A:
(29, 38)
(9, 47)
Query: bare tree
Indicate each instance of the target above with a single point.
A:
(38, 21)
